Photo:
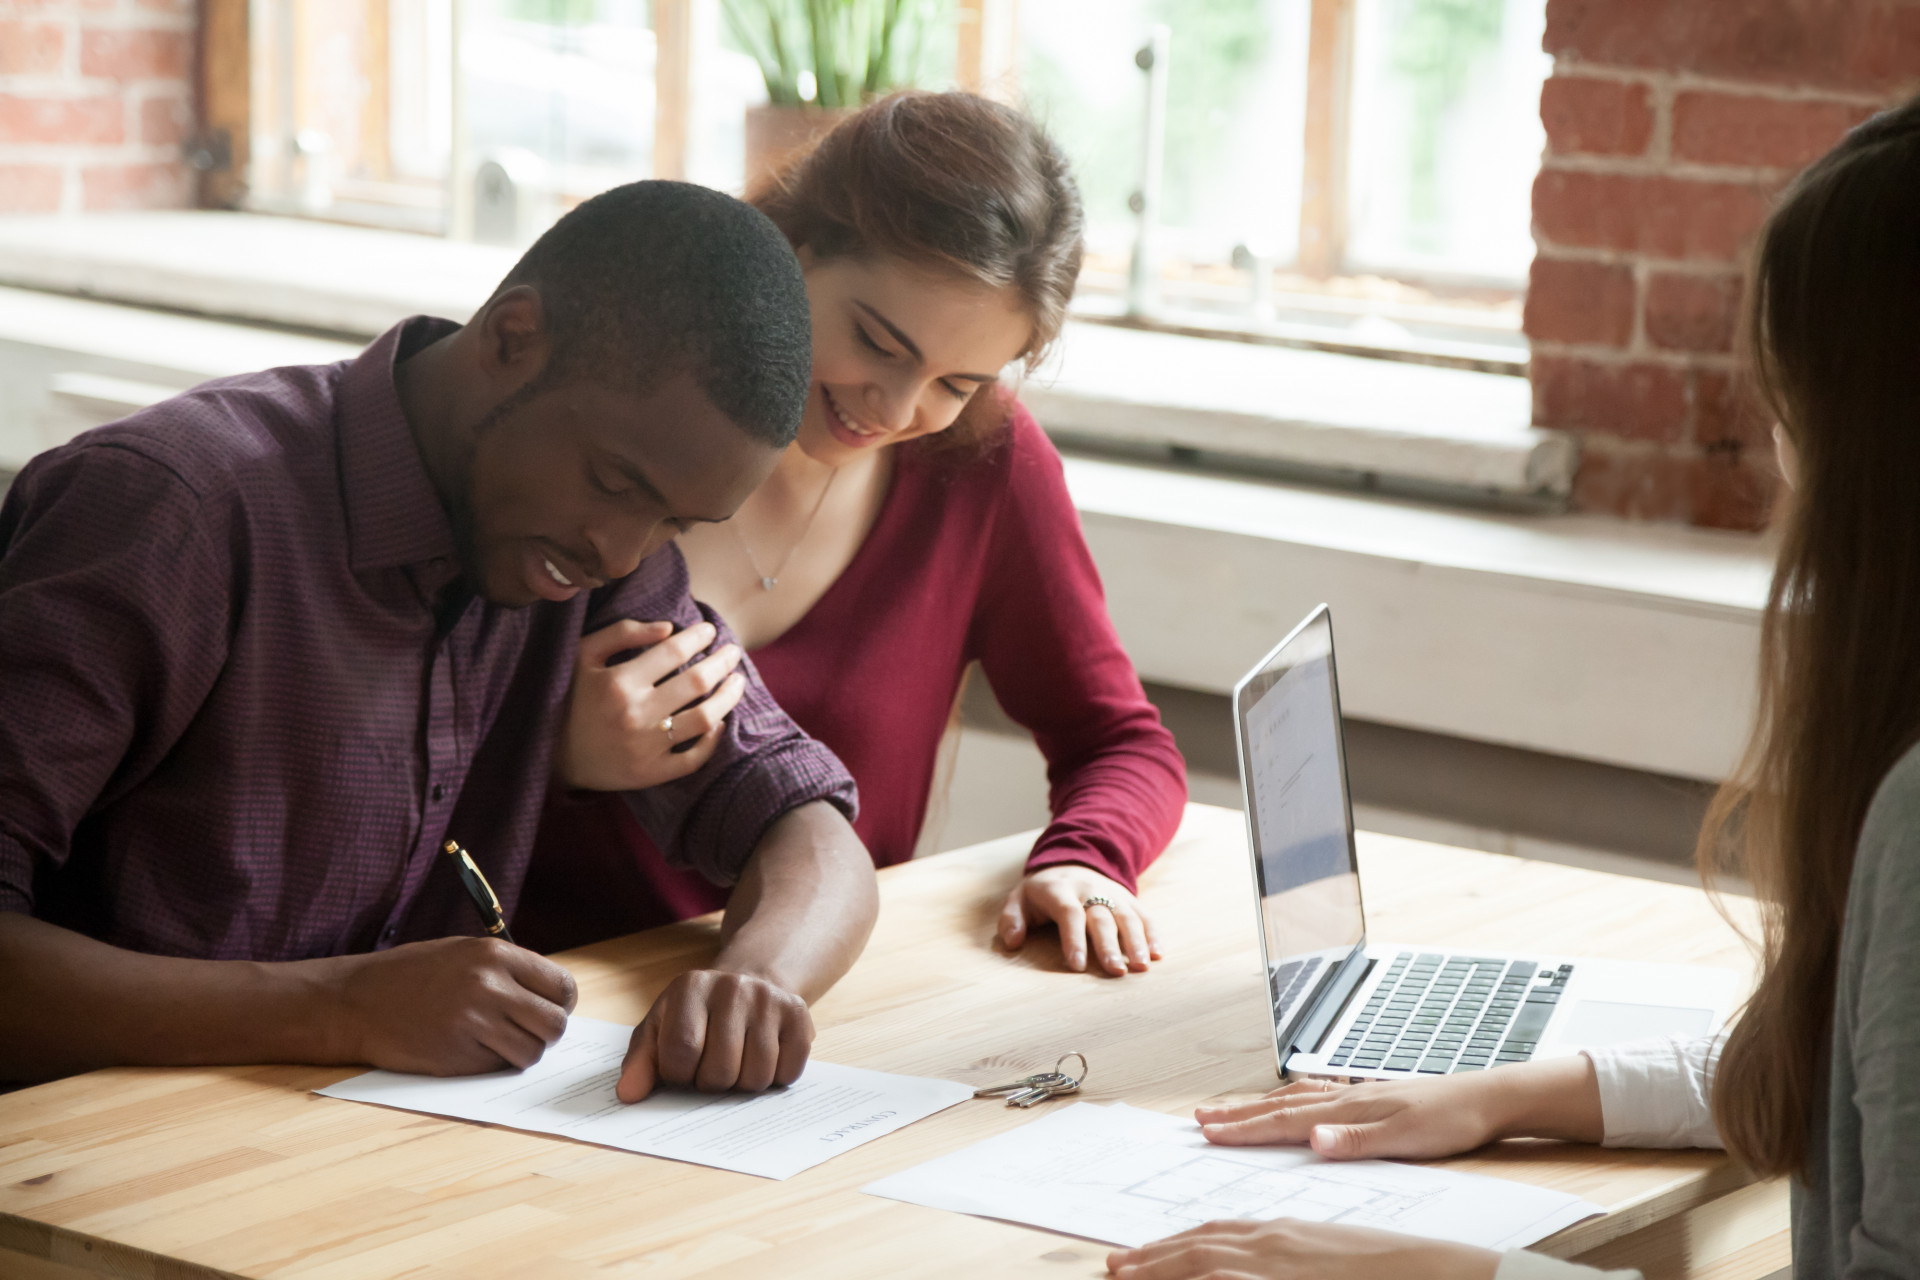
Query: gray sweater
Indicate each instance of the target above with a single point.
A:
(1858, 1214)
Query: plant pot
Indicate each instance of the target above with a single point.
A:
(778, 135)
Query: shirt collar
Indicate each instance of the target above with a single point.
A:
(394, 516)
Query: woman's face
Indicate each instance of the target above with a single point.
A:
(898, 351)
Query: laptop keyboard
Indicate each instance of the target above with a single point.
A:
(1286, 981)
(1435, 1014)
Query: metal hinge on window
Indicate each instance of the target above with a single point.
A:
(210, 151)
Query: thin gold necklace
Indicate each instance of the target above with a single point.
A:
(768, 581)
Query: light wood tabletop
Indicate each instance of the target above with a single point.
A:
(246, 1172)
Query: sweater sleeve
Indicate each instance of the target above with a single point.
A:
(1041, 632)
(1877, 1043)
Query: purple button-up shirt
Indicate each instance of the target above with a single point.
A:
(231, 724)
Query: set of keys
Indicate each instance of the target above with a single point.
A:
(1040, 1086)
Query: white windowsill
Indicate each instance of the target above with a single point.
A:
(1451, 427)
(1447, 427)
(1632, 645)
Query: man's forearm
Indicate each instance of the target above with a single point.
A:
(805, 904)
(69, 1003)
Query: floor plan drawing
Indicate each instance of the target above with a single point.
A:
(1207, 1188)
(1127, 1176)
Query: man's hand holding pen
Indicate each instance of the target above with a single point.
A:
(449, 1007)
(726, 1027)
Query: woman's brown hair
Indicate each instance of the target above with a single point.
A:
(1834, 330)
(949, 181)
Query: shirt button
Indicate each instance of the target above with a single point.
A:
(388, 936)
(439, 791)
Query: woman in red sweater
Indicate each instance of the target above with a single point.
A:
(920, 522)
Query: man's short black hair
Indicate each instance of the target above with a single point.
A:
(653, 279)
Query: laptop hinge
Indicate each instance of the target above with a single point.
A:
(1327, 1010)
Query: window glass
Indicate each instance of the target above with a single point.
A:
(1236, 93)
(1446, 136)
(560, 91)
(359, 116)
(420, 69)
(319, 111)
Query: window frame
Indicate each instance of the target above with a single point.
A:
(986, 62)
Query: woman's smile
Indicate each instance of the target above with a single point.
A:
(845, 429)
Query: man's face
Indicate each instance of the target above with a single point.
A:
(573, 486)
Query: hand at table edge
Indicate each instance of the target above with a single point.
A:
(1285, 1249)
(1122, 935)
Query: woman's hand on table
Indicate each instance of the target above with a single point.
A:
(1411, 1119)
(614, 739)
(1288, 1250)
(1418, 1119)
(1120, 935)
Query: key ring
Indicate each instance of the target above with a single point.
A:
(1041, 1085)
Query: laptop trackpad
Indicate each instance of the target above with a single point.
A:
(1597, 1022)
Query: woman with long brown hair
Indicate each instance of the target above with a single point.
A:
(1820, 1078)
(919, 523)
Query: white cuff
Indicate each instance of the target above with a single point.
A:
(1658, 1093)
(1517, 1264)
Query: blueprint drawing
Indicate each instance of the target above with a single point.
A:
(1127, 1177)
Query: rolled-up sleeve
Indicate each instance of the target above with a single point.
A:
(113, 624)
(764, 766)
(1658, 1093)
(1653, 1093)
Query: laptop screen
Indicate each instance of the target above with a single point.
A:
(1293, 779)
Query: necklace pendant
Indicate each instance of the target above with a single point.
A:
(768, 584)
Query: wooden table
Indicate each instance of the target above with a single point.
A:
(244, 1171)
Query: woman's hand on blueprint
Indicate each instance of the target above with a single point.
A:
(1418, 1119)
(1290, 1250)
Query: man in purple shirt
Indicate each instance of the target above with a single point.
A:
(264, 646)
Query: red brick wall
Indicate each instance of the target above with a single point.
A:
(96, 98)
(1671, 125)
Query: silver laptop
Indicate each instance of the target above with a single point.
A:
(1347, 1008)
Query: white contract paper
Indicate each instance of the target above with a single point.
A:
(569, 1092)
(1127, 1177)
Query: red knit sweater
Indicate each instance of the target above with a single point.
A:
(968, 560)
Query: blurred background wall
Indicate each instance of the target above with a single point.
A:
(1670, 126)
(97, 104)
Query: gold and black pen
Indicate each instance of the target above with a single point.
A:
(479, 890)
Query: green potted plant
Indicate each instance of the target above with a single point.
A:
(821, 59)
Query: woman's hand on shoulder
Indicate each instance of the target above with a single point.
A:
(1090, 910)
(616, 735)
(1289, 1250)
